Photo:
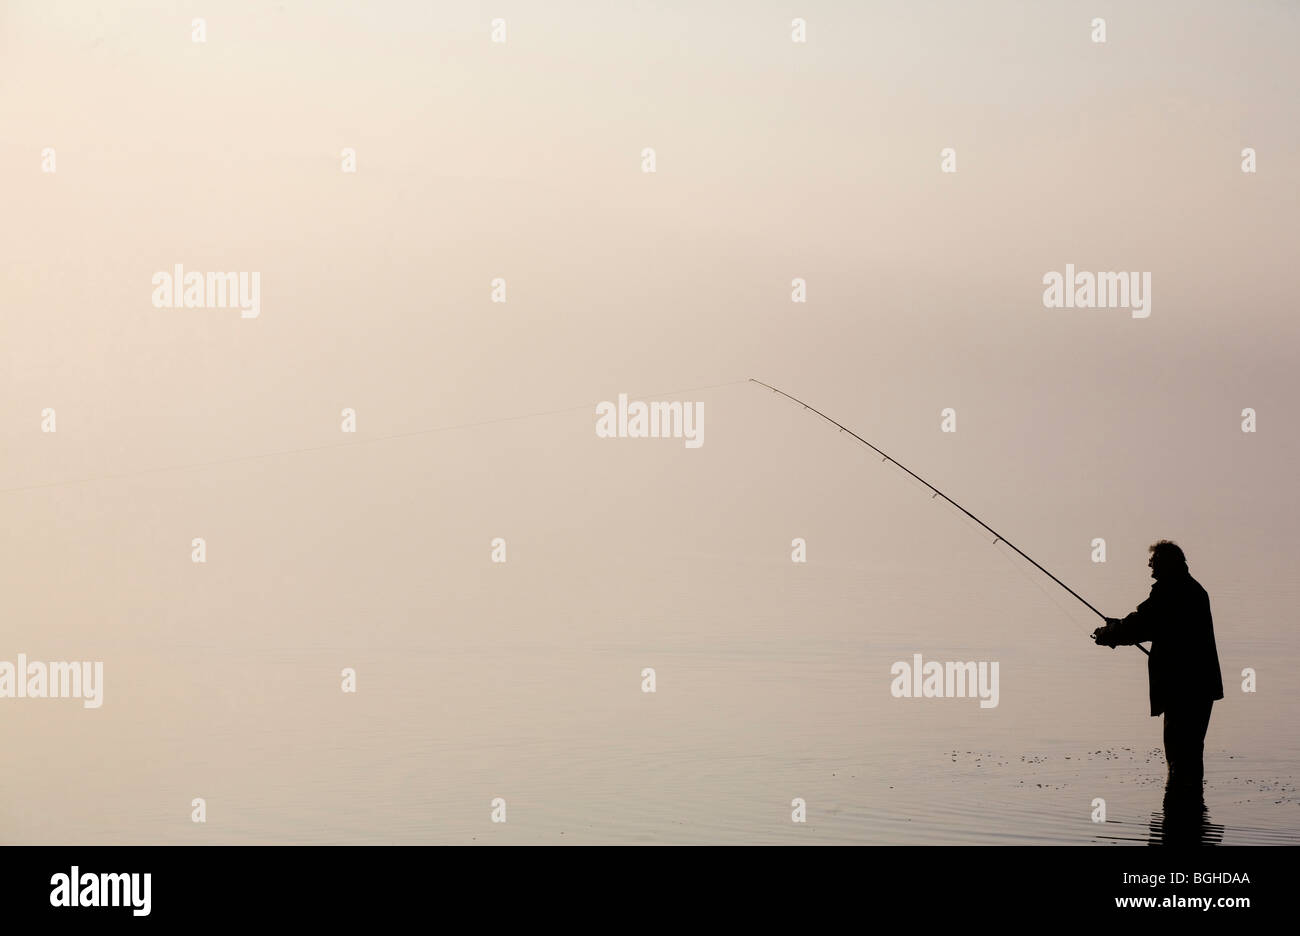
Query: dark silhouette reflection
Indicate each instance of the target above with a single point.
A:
(1184, 820)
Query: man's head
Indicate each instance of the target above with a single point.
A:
(1167, 560)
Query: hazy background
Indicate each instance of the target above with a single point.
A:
(522, 160)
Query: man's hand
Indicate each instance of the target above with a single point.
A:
(1104, 636)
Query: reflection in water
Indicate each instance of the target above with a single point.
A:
(1184, 820)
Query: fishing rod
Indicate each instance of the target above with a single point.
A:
(997, 537)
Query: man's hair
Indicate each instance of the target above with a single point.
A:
(1170, 552)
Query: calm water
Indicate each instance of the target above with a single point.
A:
(772, 684)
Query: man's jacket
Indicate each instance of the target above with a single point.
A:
(1184, 662)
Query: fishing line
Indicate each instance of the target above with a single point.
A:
(337, 445)
(1020, 569)
(997, 537)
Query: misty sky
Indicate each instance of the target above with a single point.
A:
(522, 160)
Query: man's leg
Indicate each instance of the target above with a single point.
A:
(1198, 723)
(1171, 748)
(1185, 727)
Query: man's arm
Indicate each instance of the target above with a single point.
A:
(1137, 627)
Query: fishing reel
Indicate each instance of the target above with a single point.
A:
(1101, 634)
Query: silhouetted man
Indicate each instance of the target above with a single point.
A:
(1184, 664)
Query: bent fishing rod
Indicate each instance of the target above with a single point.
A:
(997, 537)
